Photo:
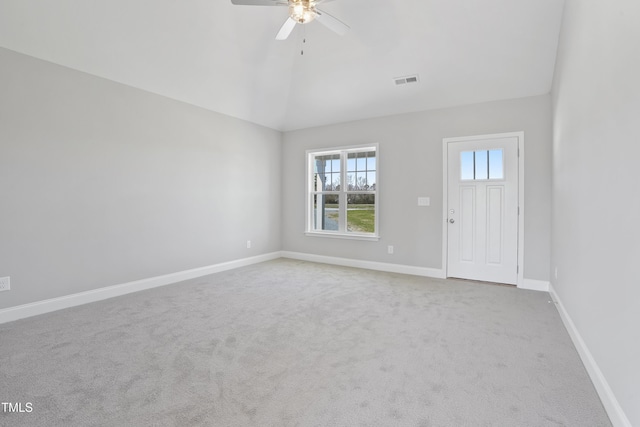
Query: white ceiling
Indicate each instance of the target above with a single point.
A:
(222, 57)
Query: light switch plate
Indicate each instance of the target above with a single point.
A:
(5, 283)
(424, 201)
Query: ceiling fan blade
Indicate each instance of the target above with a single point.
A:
(332, 23)
(286, 29)
(259, 2)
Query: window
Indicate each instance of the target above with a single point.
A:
(342, 196)
(482, 164)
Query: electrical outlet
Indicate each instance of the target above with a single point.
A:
(5, 283)
(390, 249)
(248, 244)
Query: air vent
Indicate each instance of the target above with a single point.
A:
(406, 80)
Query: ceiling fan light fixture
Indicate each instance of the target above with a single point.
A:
(302, 11)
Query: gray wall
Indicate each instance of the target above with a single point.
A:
(596, 189)
(102, 184)
(411, 166)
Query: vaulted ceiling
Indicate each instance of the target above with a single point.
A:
(225, 58)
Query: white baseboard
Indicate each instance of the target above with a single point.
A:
(41, 307)
(46, 306)
(530, 284)
(370, 265)
(609, 401)
(534, 285)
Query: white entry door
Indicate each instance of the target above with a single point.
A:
(482, 211)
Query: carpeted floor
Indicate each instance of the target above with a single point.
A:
(291, 343)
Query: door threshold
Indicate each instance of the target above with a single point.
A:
(484, 282)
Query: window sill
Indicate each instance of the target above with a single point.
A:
(350, 236)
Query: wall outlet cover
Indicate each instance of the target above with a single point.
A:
(5, 283)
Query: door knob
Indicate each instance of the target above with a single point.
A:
(452, 220)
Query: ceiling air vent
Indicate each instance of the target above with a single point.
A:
(406, 80)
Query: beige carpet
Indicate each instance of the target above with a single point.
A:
(291, 343)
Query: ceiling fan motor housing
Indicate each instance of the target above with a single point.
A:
(302, 11)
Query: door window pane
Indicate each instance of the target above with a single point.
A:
(496, 169)
(481, 165)
(466, 165)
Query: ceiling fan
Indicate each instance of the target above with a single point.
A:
(300, 12)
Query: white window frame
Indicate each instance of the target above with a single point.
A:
(341, 233)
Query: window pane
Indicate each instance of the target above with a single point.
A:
(371, 161)
(466, 165)
(496, 169)
(371, 180)
(335, 182)
(351, 181)
(351, 162)
(482, 165)
(335, 169)
(327, 184)
(362, 162)
(322, 169)
(323, 164)
(335, 163)
(361, 213)
(326, 212)
(327, 176)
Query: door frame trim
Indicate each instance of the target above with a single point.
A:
(445, 195)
